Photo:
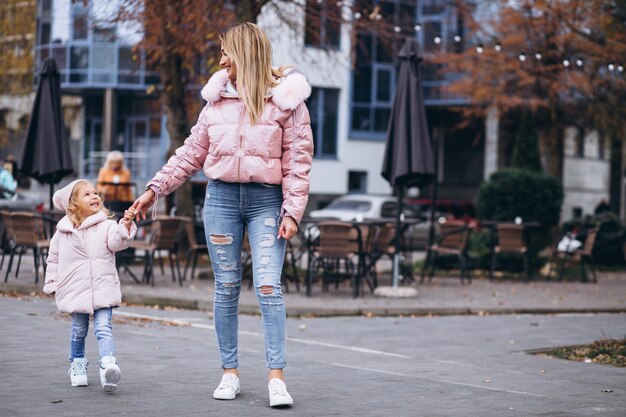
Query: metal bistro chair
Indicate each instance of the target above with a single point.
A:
(148, 246)
(195, 249)
(510, 239)
(339, 243)
(452, 239)
(28, 233)
(379, 243)
(582, 255)
(163, 236)
(8, 235)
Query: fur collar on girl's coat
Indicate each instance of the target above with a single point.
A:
(292, 90)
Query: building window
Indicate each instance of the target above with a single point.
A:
(375, 64)
(323, 109)
(322, 24)
(357, 181)
(80, 21)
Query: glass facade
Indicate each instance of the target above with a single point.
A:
(433, 23)
(91, 51)
(323, 109)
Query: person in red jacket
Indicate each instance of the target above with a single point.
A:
(254, 142)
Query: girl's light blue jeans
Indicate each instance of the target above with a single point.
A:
(229, 208)
(102, 329)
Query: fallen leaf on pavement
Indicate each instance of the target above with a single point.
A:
(56, 401)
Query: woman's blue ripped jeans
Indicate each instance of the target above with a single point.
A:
(229, 209)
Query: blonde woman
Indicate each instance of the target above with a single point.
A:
(254, 142)
(114, 172)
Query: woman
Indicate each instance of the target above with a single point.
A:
(114, 172)
(254, 141)
(8, 180)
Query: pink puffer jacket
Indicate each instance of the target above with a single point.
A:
(278, 149)
(81, 263)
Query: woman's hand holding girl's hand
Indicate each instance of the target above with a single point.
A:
(129, 215)
(288, 228)
(143, 203)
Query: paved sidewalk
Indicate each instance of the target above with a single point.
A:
(342, 366)
(444, 296)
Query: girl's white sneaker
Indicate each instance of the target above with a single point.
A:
(110, 373)
(78, 372)
(228, 387)
(278, 393)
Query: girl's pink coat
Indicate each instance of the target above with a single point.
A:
(81, 263)
(278, 149)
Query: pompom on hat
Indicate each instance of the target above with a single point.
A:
(61, 198)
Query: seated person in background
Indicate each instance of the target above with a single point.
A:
(112, 173)
(8, 183)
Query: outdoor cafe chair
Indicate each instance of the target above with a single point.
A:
(7, 236)
(163, 236)
(195, 249)
(582, 255)
(510, 239)
(379, 243)
(452, 239)
(27, 233)
(339, 243)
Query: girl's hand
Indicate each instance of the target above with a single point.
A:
(288, 228)
(143, 203)
(129, 215)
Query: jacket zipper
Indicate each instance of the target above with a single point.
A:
(240, 148)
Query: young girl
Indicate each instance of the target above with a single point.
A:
(81, 274)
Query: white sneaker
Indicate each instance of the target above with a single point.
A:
(110, 374)
(228, 388)
(278, 393)
(78, 372)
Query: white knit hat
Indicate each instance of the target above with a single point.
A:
(61, 198)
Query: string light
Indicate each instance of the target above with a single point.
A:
(620, 68)
(498, 47)
(538, 56)
(611, 67)
(437, 40)
(566, 63)
(480, 48)
(397, 29)
(357, 15)
(522, 57)
(579, 62)
(457, 38)
(417, 27)
(378, 16)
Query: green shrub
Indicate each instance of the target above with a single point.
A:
(609, 247)
(511, 193)
(533, 196)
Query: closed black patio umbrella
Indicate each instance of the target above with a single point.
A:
(408, 160)
(46, 153)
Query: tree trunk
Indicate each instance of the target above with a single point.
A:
(249, 10)
(554, 146)
(615, 173)
(171, 72)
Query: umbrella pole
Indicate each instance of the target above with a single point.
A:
(396, 255)
(51, 192)
(433, 196)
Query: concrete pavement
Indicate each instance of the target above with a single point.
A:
(349, 366)
(444, 296)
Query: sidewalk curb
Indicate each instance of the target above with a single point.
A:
(207, 305)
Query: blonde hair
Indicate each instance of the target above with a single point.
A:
(115, 156)
(73, 211)
(249, 48)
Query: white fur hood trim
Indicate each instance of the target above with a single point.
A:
(292, 90)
